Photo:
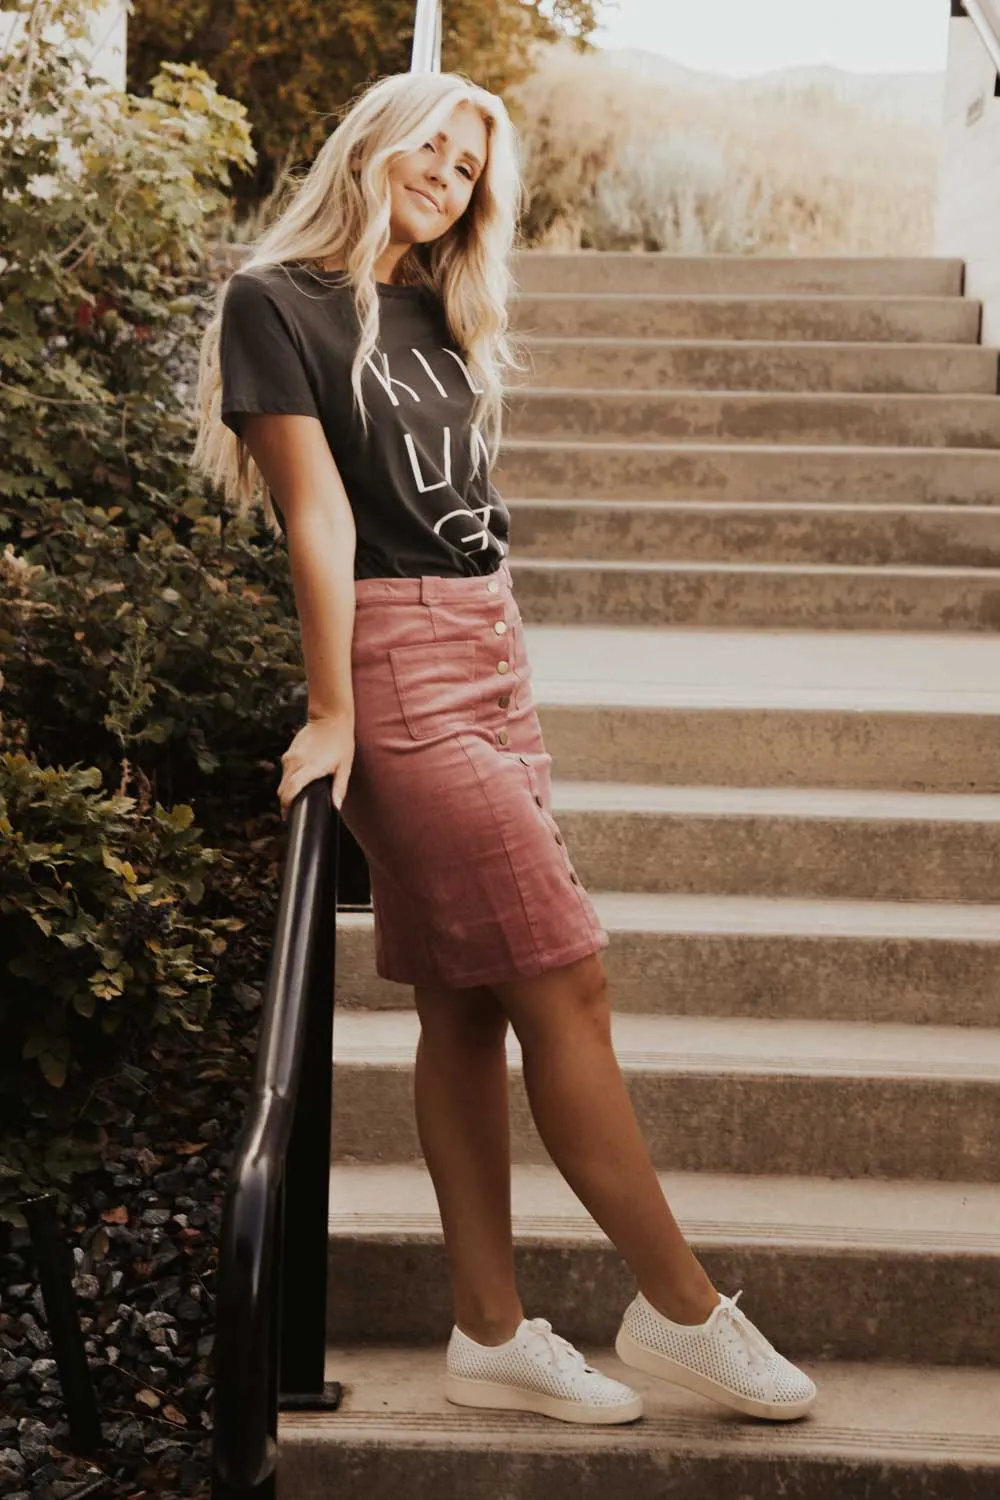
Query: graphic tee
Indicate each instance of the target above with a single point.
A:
(287, 341)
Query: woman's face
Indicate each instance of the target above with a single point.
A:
(431, 186)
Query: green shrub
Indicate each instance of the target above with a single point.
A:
(94, 892)
(97, 929)
(181, 655)
(107, 206)
(151, 671)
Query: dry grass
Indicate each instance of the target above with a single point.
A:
(617, 161)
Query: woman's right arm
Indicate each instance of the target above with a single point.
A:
(294, 457)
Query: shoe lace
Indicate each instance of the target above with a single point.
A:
(757, 1349)
(560, 1349)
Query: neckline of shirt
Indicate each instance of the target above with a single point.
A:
(384, 288)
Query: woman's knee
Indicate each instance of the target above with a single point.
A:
(559, 1001)
(467, 1017)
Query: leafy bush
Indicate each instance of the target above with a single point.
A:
(97, 937)
(182, 656)
(103, 219)
(93, 892)
(151, 672)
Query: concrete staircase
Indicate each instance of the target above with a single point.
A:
(789, 820)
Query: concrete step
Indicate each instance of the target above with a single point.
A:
(882, 1432)
(757, 596)
(887, 673)
(792, 1242)
(738, 417)
(727, 1095)
(755, 365)
(892, 319)
(794, 747)
(601, 271)
(914, 962)
(792, 842)
(747, 472)
(750, 708)
(710, 530)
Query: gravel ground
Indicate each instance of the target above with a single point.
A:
(144, 1232)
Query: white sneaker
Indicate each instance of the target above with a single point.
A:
(726, 1358)
(535, 1371)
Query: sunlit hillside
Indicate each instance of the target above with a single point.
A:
(628, 151)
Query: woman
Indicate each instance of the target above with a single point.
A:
(354, 372)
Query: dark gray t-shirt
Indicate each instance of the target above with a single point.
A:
(287, 341)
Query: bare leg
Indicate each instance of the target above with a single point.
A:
(463, 1123)
(588, 1125)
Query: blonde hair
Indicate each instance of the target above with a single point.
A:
(341, 212)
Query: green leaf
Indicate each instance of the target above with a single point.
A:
(53, 1068)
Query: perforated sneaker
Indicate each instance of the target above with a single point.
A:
(535, 1371)
(726, 1358)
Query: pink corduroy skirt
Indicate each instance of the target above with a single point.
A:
(449, 795)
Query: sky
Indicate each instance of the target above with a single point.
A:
(754, 36)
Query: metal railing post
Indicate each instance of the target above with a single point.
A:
(427, 28)
(54, 1265)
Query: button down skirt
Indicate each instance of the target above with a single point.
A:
(449, 795)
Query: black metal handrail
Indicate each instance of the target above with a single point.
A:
(271, 1294)
(270, 1322)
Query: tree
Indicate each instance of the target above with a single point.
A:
(295, 65)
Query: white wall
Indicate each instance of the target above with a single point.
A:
(968, 217)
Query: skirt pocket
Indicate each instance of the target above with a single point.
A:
(435, 684)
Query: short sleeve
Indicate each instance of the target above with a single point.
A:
(259, 363)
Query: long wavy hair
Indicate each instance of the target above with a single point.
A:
(340, 212)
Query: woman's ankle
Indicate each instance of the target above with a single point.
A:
(690, 1305)
(492, 1328)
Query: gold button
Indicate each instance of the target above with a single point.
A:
(501, 627)
(503, 702)
(559, 838)
(574, 877)
(493, 586)
(539, 801)
(503, 666)
(503, 737)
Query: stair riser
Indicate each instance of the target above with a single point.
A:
(738, 274)
(772, 976)
(885, 979)
(723, 600)
(874, 751)
(315, 1470)
(728, 1122)
(616, 471)
(645, 365)
(930, 1308)
(953, 537)
(763, 854)
(857, 320)
(872, 421)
